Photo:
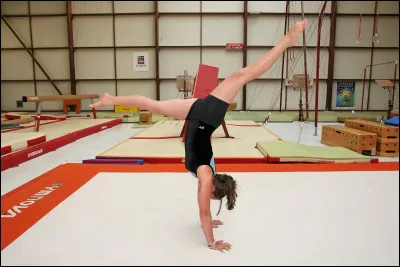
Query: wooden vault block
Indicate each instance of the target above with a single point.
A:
(145, 117)
(299, 80)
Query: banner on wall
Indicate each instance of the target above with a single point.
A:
(345, 94)
(140, 61)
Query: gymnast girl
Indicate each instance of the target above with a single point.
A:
(204, 116)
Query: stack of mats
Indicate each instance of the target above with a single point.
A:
(290, 152)
(162, 143)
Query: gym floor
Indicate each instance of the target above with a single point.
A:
(123, 215)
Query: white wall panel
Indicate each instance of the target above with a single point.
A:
(21, 27)
(364, 7)
(16, 65)
(125, 61)
(280, 6)
(47, 89)
(379, 97)
(93, 31)
(50, 32)
(267, 6)
(297, 65)
(54, 62)
(174, 61)
(94, 64)
(388, 7)
(228, 61)
(309, 7)
(14, 7)
(143, 88)
(263, 95)
(90, 7)
(388, 31)
(179, 6)
(269, 30)
(179, 30)
(384, 71)
(135, 30)
(215, 30)
(168, 91)
(350, 63)
(95, 87)
(347, 31)
(223, 6)
(49, 7)
(134, 6)
(12, 92)
(264, 30)
(322, 90)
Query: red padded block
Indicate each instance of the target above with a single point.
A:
(206, 81)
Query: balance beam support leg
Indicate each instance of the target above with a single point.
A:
(37, 117)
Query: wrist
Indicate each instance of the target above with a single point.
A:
(211, 244)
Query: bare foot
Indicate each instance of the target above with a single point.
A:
(295, 32)
(105, 100)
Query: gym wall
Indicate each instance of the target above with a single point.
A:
(106, 34)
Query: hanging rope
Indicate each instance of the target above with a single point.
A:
(375, 39)
(359, 35)
(275, 100)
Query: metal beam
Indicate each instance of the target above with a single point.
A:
(114, 50)
(283, 56)
(245, 19)
(156, 21)
(317, 68)
(331, 60)
(305, 58)
(71, 48)
(31, 38)
(372, 54)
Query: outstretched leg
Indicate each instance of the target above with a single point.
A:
(230, 87)
(175, 108)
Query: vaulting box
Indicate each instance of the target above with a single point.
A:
(356, 140)
(145, 117)
(380, 129)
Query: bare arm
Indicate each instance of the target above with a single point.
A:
(203, 198)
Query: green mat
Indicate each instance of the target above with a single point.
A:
(258, 116)
(283, 151)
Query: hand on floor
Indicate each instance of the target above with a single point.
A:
(215, 223)
(221, 246)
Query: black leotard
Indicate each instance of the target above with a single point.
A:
(204, 117)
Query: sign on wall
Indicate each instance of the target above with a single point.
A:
(234, 46)
(345, 94)
(140, 61)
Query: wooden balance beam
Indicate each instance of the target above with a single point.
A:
(68, 100)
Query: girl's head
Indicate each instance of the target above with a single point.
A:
(224, 185)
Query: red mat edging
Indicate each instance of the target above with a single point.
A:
(18, 157)
(320, 161)
(159, 160)
(21, 208)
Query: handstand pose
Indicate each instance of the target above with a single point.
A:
(204, 116)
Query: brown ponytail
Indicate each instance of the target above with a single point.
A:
(225, 185)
